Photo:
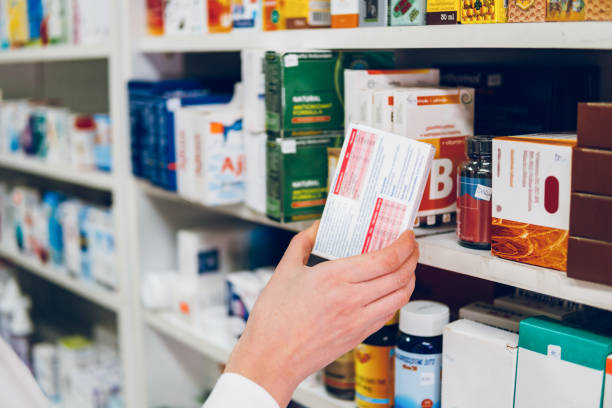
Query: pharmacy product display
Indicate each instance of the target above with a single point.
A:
(39, 22)
(55, 135)
(505, 318)
(65, 233)
(339, 377)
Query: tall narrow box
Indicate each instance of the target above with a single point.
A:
(373, 13)
(565, 10)
(471, 353)
(531, 198)
(407, 12)
(344, 13)
(607, 403)
(594, 124)
(443, 12)
(526, 11)
(559, 366)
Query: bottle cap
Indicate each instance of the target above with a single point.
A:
(479, 145)
(424, 318)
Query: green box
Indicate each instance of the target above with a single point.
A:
(407, 12)
(304, 90)
(297, 176)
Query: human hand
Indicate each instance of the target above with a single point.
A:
(306, 317)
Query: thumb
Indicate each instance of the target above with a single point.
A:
(301, 245)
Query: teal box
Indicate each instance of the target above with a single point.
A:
(407, 12)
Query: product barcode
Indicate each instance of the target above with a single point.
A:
(320, 18)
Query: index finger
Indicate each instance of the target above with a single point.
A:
(365, 267)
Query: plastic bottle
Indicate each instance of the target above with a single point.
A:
(474, 195)
(374, 383)
(21, 329)
(9, 299)
(339, 377)
(418, 356)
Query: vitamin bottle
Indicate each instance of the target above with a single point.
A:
(374, 368)
(474, 195)
(339, 377)
(418, 356)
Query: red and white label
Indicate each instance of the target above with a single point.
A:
(385, 225)
(355, 164)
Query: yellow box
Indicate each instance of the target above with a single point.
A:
(483, 11)
(443, 12)
(526, 11)
(307, 14)
(273, 15)
(598, 10)
(566, 10)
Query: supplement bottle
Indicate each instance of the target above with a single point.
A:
(374, 368)
(339, 377)
(474, 195)
(418, 356)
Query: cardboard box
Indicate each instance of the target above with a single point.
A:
(373, 13)
(531, 199)
(273, 19)
(594, 124)
(495, 316)
(375, 195)
(185, 17)
(598, 10)
(255, 173)
(382, 110)
(407, 12)
(526, 11)
(532, 306)
(443, 117)
(566, 10)
(443, 12)
(471, 352)
(590, 171)
(559, 366)
(356, 81)
(607, 403)
(297, 177)
(591, 216)
(254, 86)
(246, 14)
(219, 16)
(478, 12)
(344, 13)
(589, 260)
(307, 14)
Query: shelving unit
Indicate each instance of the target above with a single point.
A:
(52, 53)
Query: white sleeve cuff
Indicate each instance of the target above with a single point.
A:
(235, 391)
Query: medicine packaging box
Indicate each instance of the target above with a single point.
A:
(566, 10)
(442, 117)
(344, 13)
(607, 403)
(373, 13)
(219, 16)
(443, 12)
(246, 14)
(376, 192)
(591, 216)
(589, 260)
(254, 88)
(484, 11)
(531, 198)
(559, 366)
(255, 148)
(299, 14)
(494, 316)
(297, 176)
(356, 81)
(407, 12)
(594, 124)
(382, 110)
(185, 17)
(474, 351)
(272, 17)
(526, 11)
(590, 168)
(598, 10)
(536, 306)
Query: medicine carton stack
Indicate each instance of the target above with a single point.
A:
(55, 135)
(65, 233)
(39, 22)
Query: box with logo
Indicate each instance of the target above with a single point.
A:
(526, 11)
(559, 365)
(443, 12)
(531, 198)
(344, 13)
(306, 14)
(591, 216)
(272, 17)
(484, 11)
(373, 13)
(442, 117)
(246, 14)
(566, 10)
(407, 12)
(297, 176)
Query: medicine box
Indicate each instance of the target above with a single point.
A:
(254, 86)
(566, 10)
(300, 14)
(484, 11)
(442, 117)
(472, 352)
(443, 12)
(526, 11)
(273, 18)
(594, 124)
(382, 110)
(373, 13)
(591, 216)
(356, 81)
(255, 148)
(494, 316)
(219, 16)
(559, 365)
(407, 12)
(376, 192)
(537, 306)
(589, 170)
(607, 403)
(246, 14)
(531, 198)
(344, 13)
(589, 260)
(185, 17)
(297, 176)
(598, 10)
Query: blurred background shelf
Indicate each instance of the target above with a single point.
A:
(55, 53)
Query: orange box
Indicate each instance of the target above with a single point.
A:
(598, 10)
(566, 10)
(526, 11)
(483, 11)
(273, 15)
(344, 13)
(219, 16)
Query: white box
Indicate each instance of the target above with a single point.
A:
(502, 318)
(253, 81)
(255, 146)
(375, 194)
(532, 307)
(344, 13)
(478, 366)
(246, 14)
(357, 80)
(185, 17)
(382, 111)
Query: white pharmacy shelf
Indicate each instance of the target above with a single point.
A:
(443, 251)
(570, 35)
(91, 179)
(218, 349)
(51, 53)
(101, 296)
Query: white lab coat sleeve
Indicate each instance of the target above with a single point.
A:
(17, 385)
(235, 391)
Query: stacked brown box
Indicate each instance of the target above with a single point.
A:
(523, 11)
(590, 242)
(598, 10)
